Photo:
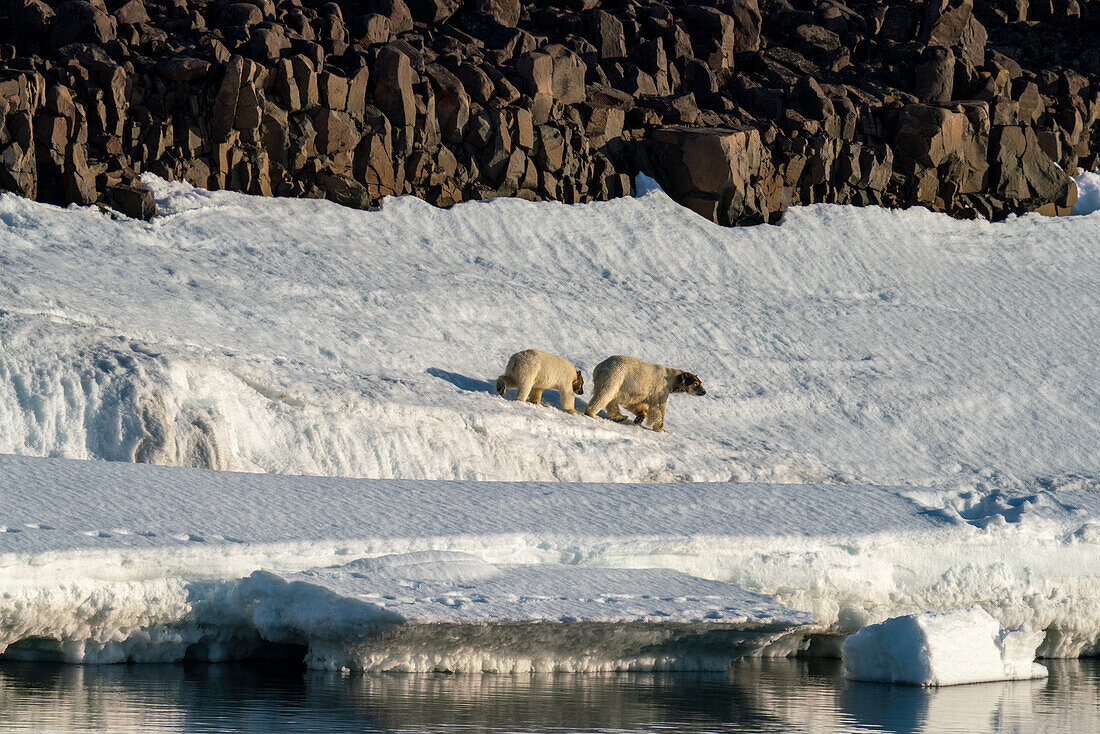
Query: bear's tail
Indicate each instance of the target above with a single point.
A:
(502, 386)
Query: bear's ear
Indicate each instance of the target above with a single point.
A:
(679, 382)
(580, 377)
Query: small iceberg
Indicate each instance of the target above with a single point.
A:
(942, 649)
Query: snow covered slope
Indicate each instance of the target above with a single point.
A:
(288, 336)
(104, 561)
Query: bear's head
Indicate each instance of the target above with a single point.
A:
(578, 384)
(689, 383)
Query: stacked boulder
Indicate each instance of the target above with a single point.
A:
(739, 108)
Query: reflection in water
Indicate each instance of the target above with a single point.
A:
(756, 696)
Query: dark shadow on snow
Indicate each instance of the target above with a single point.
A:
(462, 382)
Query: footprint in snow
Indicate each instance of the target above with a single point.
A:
(6, 529)
(37, 526)
(96, 533)
(189, 538)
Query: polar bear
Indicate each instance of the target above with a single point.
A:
(641, 387)
(532, 371)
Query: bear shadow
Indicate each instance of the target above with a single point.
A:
(462, 382)
(472, 384)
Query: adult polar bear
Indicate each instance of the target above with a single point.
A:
(532, 371)
(640, 387)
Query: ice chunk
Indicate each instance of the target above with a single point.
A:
(942, 649)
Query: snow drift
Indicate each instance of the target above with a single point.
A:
(299, 337)
(942, 649)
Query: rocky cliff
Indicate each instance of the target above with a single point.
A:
(740, 108)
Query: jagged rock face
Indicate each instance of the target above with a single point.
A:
(740, 108)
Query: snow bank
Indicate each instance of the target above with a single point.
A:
(299, 337)
(108, 561)
(942, 649)
(1088, 193)
(441, 610)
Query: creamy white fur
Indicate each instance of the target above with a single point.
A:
(640, 387)
(531, 371)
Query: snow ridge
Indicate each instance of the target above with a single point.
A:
(298, 337)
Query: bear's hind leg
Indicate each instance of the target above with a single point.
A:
(566, 395)
(613, 412)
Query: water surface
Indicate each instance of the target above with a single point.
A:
(756, 696)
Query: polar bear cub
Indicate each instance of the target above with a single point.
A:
(640, 387)
(532, 371)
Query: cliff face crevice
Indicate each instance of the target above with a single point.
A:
(740, 108)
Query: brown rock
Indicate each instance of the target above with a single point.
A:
(650, 58)
(374, 167)
(133, 201)
(947, 143)
(267, 44)
(1023, 171)
(433, 11)
(275, 132)
(551, 150)
(718, 28)
(505, 12)
(132, 12)
(376, 28)
(286, 86)
(951, 23)
(710, 170)
(524, 133)
(225, 102)
(51, 132)
(334, 91)
(33, 17)
(183, 68)
(358, 86)
(606, 31)
(476, 83)
(397, 11)
(248, 109)
(451, 101)
(59, 101)
(568, 75)
(604, 124)
(343, 189)
(78, 180)
(77, 20)
(747, 19)
(935, 75)
(393, 92)
(18, 169)
(536, 75)
(597, 95)
(816, 37)
(307, 80)
(239, 15)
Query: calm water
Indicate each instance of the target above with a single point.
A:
(758, 696)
